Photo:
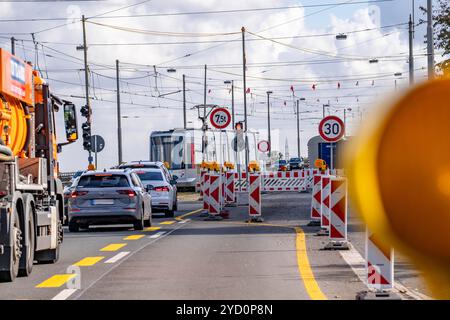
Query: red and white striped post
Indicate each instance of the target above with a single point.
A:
(325, 206)
(229, 189)
(379, 269)
(338, 215)
(214, 197)
(316, 200)
(202, 180)
(254, 201)
(206, 192)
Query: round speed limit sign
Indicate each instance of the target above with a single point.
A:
(220, 118)
(331, 129)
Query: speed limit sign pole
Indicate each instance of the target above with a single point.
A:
(332, 129)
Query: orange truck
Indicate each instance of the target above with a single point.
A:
(31, 195)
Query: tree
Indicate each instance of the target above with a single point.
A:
(441, 25)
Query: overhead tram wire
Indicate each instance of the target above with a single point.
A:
(162, 14)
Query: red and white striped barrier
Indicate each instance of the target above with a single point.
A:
(242, 183)
(316, 199)
(254, 202)
(379, 264)
(325, 204)
(338, 209)
(229, 188)
(338, 215)
(206, 191)
(201, 181)
(214, 194)
(284, 181)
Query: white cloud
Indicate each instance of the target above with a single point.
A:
(136, 130)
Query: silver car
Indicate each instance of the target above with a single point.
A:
(162, 188)
(109, 197)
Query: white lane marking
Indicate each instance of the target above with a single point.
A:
(117, 257)
(358, 264)
(63, 295)
(157, 235)
(184, 221)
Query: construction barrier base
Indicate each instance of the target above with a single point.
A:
(204, 214)
(255, 219)
(314, 223)
(225, 214)
(337, 245)
(378, 295)
(213, 218)
(323, 233)
(231, 205)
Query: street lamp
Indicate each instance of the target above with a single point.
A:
(268, 122)
(232, 98)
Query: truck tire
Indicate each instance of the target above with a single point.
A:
(11, 268)
(50, 256)
(29, 240)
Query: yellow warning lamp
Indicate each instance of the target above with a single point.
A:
(204, 165)
(228, 165)
(214, 166)
(399, 177)
(319, 163)
(91, 167)
(253, 166)
(166, 164)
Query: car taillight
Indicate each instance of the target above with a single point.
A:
(78, 194)
(129, 193)
(162, 189)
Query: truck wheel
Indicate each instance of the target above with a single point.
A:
(12, 266)
(51, 255)
(27, 258)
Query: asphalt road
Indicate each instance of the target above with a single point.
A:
(188, 258)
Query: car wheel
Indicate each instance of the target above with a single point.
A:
(73, 226)
(169, 214)
(139, 224)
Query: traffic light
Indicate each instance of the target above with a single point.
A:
(239, 126)
(86, 126)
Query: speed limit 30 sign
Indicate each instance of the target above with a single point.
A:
(220, 118)
(331, 129)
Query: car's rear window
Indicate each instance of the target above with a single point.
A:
(103, 181)
(149, 175)
(295, 160)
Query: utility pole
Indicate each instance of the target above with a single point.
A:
(204, 94)
(298, 128)
(411, 52)
(13, 45)
(268, 122)
(244, 75)
(86, 81)
(430, 41)
(119, 115)
(184, 102)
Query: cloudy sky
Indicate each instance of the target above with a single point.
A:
(289, 43)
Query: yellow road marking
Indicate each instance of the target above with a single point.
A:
(56, 281)
(188, 214)
(304, 267)
(89, 261)
(167, 222)
(113, 247)
(152, 228)
(134, 237)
